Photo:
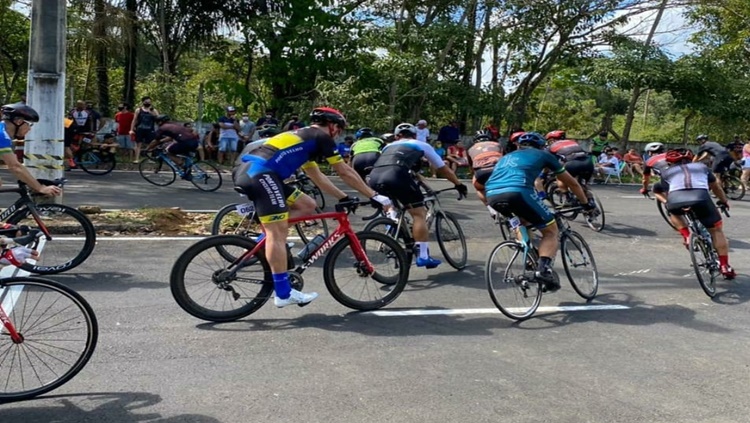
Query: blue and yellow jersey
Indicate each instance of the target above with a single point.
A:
(6, 144)
(517, 171)
(284, 153)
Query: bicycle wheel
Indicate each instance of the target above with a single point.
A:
(705, 263)
(733, 187)
(579, 265)
(351, 285)
(309, 188)
(72, 234)
(309, 228)
(664, 213)
(560, 200)
(203, 283)
(205, 176)
(595, 218)
(385, 225)
(95, 162)
(510, 281)
(157, 171)
(229, 221)
(59, 332)
(450, 238)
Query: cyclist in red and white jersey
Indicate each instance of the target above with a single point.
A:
(656, 163)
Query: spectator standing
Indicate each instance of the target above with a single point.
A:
(634, 163)
(294, 123)
(124, 120)
(229, 129)
(82, 123)
(247, 130)
(267, 120)
(449, 134)
(746, 165)
(143, 125)
(96, 117)
(440, 150)
(422, 131)
(598, 144)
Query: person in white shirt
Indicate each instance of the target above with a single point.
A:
(607, 164)
(422, 131)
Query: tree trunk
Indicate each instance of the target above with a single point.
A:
(686, 125)
(100, 45)
(131, 49)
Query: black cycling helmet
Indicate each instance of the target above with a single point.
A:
(482, 136)
(19, 110)
(532, 139)
(363, 133)
(405, 129)
(163, 118)
(325, 115)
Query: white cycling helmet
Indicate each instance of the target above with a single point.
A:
(654, 147)
(405, 129)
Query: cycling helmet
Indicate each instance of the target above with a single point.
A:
(326, 115)
(163, 118)
(555, 135)
(19, 110)
(678, 155)
(701, 137)
(363, 133)
(532, 139)
(654, 147)
(406, 129)
(514, 136)
(482, 136)
(387, 138)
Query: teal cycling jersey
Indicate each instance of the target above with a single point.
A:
(517, 171)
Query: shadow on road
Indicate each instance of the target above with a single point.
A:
(105, 281)
(620, 230)
(117, 407)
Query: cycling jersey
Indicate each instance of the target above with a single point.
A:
(367, 145)
(688, 176)
(657, 163)
(6, 144)
(567, 150)
(177, 132)
(408, 154)
(484, 154)
(284, 153)
(518, 170)
(713, 148)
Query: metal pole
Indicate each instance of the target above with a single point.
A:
(46, 89)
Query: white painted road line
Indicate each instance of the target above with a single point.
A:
(458, 311)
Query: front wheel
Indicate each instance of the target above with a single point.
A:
(510, 280)
(349, 281)
(734, 188)
(96, 162)
(665, 214)
(157, 171)
(59, 332)
(595, 218)
(450, 238)
(72, 237)
(579, 265)
(705, 263)
(385, 225)
(205, 176)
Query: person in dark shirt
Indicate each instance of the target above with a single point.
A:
(267, 120)
(449, 134)
(721, 158)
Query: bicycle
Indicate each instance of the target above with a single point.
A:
(92, 157)
(447, 229)
(48, 333)
(73, 230)
(216, 290)
(504, 274)
(306, 185)
(595, 219)
(159, 169)
(706, 266)
(665, 214)
(732, 186)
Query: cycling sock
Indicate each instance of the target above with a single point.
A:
(424, 251)
(685, 233)
(724, 260)
(492, 211)
(281, 285)
(544, 263)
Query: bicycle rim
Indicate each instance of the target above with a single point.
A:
(664, 213)
(228, 221)
(705, 266)
(352, 286)
(734, 188)
(510, 281)
(595, 219)
(385, 225)
(156, 171)
(205, 176)
(96, 162)
(200, 285)
(60, 333)
(579, 265)
(451, 240)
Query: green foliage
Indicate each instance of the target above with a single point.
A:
(14, 48)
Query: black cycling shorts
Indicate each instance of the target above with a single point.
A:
(524, 204)
(581, 169)
(397, 183)
(722, 163)
(481, 176)
(184, 147)
(363, 162)
(661, 187)
(271, 196)
(697, 199)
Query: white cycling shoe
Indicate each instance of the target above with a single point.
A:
(295, 297)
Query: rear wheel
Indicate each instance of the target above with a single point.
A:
(579, 265)
(705, 263)
(451, 240)
(96, 162)
(595, 218)
(510, 281)
(205, 176)
(560, 200)
(385, 225)
(157, 171)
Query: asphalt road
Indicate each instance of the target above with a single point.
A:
(673, 355)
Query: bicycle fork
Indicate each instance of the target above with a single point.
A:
(8, 302)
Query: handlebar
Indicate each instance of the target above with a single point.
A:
(21, 240)
(428, 192)
(46, 182)
(350, 206)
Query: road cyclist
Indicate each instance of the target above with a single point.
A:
(483, 155)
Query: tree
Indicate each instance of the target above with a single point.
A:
(14, 51)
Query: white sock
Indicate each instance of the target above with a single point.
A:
(424, 251)
(493, 212)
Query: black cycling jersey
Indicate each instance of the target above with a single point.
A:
(177, 132)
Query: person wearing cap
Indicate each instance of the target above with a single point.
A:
(422, 131)
(229, 129)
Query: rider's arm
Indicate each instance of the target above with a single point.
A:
(718, 191)
(573, 185)
(135, 118)
(322, 181)
(157, 141)
(352, 178)
(20, 172)
(700, 157)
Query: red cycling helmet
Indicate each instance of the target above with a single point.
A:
(514, 136)
(555, 135)
(679, 155)
(326, 115)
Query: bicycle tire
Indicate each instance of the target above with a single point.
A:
(205, 176)
(389, 250)
(664, 213)
(36, 331)
(50, 263)
(597, 222)
(733, 187)
(706, 262)
(499, 275)
(313, 191)
(558, 200)
(300, 227)
(230, 222)
(581, 247)
(212, 271)
(107, 161)
(385, 225)
(157, 172)
(443, 237)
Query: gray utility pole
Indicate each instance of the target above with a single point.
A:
(43, 149)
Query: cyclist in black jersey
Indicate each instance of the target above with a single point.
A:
(721, 158)
(183, 140)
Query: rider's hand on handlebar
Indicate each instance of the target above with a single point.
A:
(722, 204)
(19, 254)
(463, 190)
(348, 203)
(51, 190)
(378, 201)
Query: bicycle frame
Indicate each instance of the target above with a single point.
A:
(179, 169)
(22, 202)
(16, 337)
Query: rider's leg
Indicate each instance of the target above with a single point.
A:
(420, 233)
(300, 204)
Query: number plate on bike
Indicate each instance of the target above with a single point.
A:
(514, 222)
(246, 209)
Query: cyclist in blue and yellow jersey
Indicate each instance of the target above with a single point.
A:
(365, 151)
(260, 177)
(510, 191)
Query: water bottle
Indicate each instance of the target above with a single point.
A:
(311, 246)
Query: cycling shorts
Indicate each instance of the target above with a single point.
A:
(722, 163)
(661, 187)
(481, 176)
(524, 204)
(271, 197)
(581, 169)
(184, 147)
(697, 199)
(398, 184)
(363, 162)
